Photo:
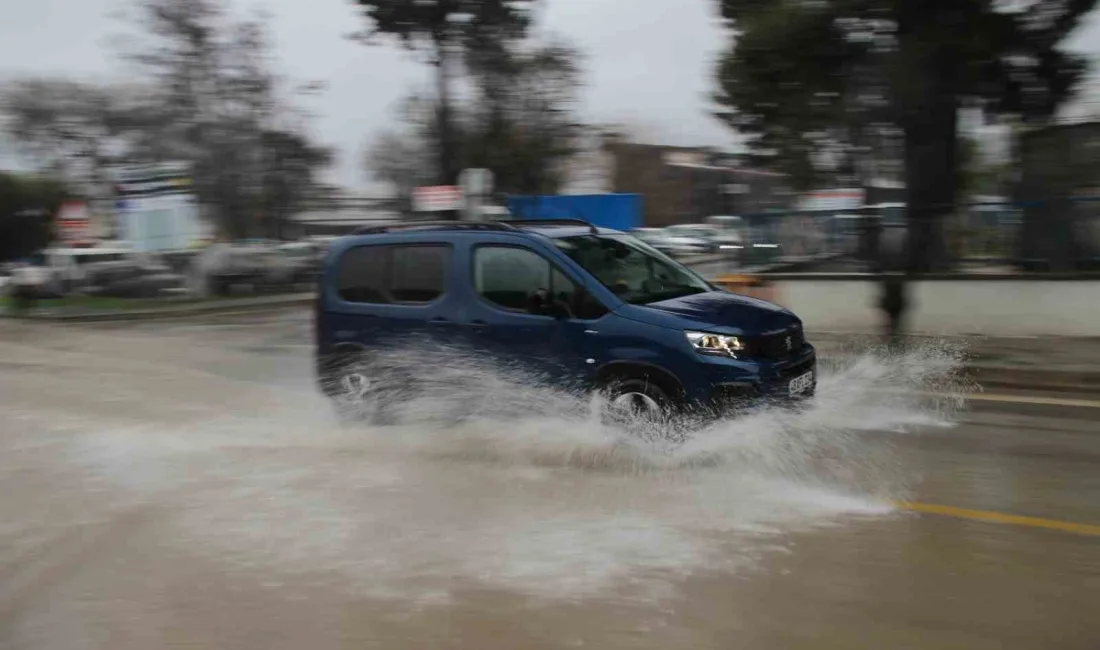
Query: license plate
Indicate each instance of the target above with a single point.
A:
(801, 383)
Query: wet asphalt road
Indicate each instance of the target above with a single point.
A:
(181, 485)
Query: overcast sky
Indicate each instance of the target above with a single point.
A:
(648, 63)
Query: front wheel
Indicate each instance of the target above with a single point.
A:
(637, 400)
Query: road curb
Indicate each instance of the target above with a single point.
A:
(212, 308)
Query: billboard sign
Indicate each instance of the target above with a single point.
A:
(74, 223)
(156, 207)
(836, 200)
(437, 198)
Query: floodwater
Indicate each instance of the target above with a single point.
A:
(185, 486)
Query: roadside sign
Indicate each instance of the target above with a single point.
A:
(74, 223)
(685, 159)
(437, 198)
(834, 199)
(155, 207)
(478, 182)
(476, 185)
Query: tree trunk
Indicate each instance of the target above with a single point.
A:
(931, 180)
(448, 155)
(927, 93)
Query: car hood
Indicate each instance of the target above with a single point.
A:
(720, 312)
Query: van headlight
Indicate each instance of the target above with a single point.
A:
(716, 344)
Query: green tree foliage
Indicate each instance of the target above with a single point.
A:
(205, 92)
(449, 32)
(218, 105)
(522, 125)
(403, 156)
(288, 175)
(813, 82)
(27, 207)
(69, 128)
(519, 123)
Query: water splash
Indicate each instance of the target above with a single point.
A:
(486, 478)
(452, 402)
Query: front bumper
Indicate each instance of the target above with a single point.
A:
(751, 383)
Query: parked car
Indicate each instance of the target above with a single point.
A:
(707, 236)
(137, 276)
(30, 279)
(670, 244)
(69, 267)
(731, 234)
(305, 257)
(587, 306)
(257, 264)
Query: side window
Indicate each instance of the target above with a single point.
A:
(393, 274)
(419, 273)
(361, 274)
(580, 303)
(506, 276)
(588, 308)
(563, 290)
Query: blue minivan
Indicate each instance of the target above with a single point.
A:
(589, 308)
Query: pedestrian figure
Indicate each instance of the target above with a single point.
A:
(894, 303)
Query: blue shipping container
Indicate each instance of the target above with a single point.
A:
(617, 211)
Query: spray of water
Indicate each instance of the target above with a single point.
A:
(482, 476)
(445, 400)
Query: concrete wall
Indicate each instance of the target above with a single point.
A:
(990, 307)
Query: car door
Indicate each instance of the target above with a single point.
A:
(544, 344)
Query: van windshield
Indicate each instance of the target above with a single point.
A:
(637, 273)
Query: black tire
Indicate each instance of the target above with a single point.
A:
(637, 399)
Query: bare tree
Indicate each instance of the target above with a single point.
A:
(71, 130)
(218, 104)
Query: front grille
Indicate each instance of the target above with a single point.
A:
(798, 369)
(778, 345)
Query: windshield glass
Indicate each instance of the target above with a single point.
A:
(636, 272)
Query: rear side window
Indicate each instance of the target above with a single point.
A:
(361, 274)
(418, 273)
(393, 274)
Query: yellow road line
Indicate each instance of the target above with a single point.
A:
(999, 517)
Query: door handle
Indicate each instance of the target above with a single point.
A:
(439, 320)
(477, 324)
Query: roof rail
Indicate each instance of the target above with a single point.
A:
(553, 222)
(432, 225)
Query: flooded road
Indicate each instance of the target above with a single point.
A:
(182, 485)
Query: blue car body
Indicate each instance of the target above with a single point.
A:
(614, 338)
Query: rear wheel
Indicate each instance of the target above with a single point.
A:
(362, 391)
(347, 385)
